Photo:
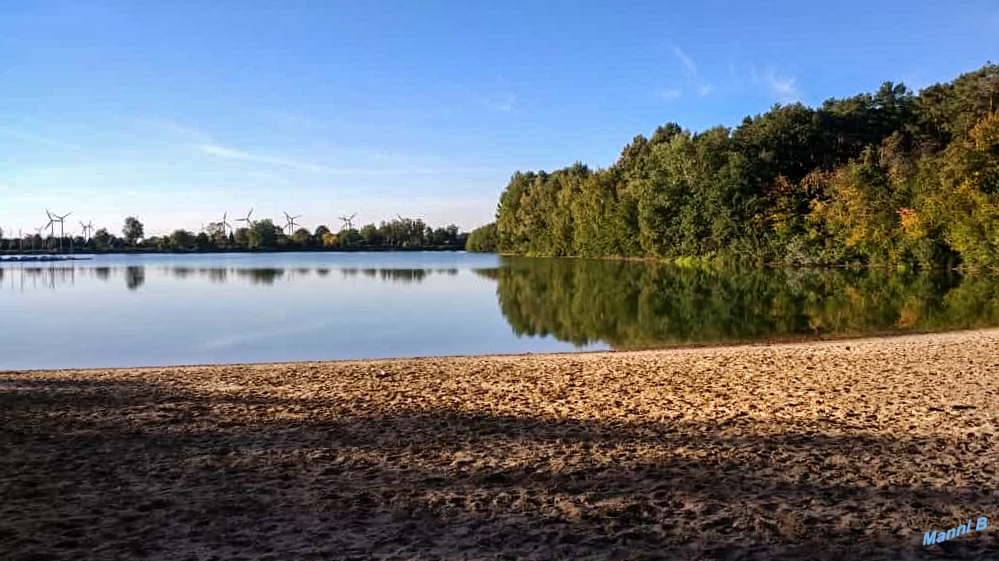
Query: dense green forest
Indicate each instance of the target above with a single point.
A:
(632, 305)
(483, 239)
(883, 178)
(259, 235)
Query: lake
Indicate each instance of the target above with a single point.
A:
(134, 310)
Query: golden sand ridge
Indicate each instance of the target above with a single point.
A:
(820, 450)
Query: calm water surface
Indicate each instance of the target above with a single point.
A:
(196, 309)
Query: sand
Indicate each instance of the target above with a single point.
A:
(821, 450)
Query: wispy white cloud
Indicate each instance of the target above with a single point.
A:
(691, 72)
(385, 169)
(233, 154)
(223, 152)
(736, 82)
(670, 94)
(783, 87)
(690, 68)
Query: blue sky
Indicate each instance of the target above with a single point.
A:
(178, 111)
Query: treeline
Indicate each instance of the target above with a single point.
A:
(483, 239)
(639, 305)
(888, 177)
(401, 234)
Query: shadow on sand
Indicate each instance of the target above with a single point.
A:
(131, 469)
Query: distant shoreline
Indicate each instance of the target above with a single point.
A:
(239, 250)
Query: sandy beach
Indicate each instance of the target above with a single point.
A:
(819, 450)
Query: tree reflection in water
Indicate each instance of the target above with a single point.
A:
(631, 305)
(268, 275)
(135, 277)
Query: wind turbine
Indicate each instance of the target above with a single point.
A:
(51, 224)
(291, 222)
(88, 229)
(224, 223)
(53, 218)
(62, 230)
(348, 221)
(247, 219)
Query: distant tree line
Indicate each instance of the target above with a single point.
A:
(401, 233)
(882, 178)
